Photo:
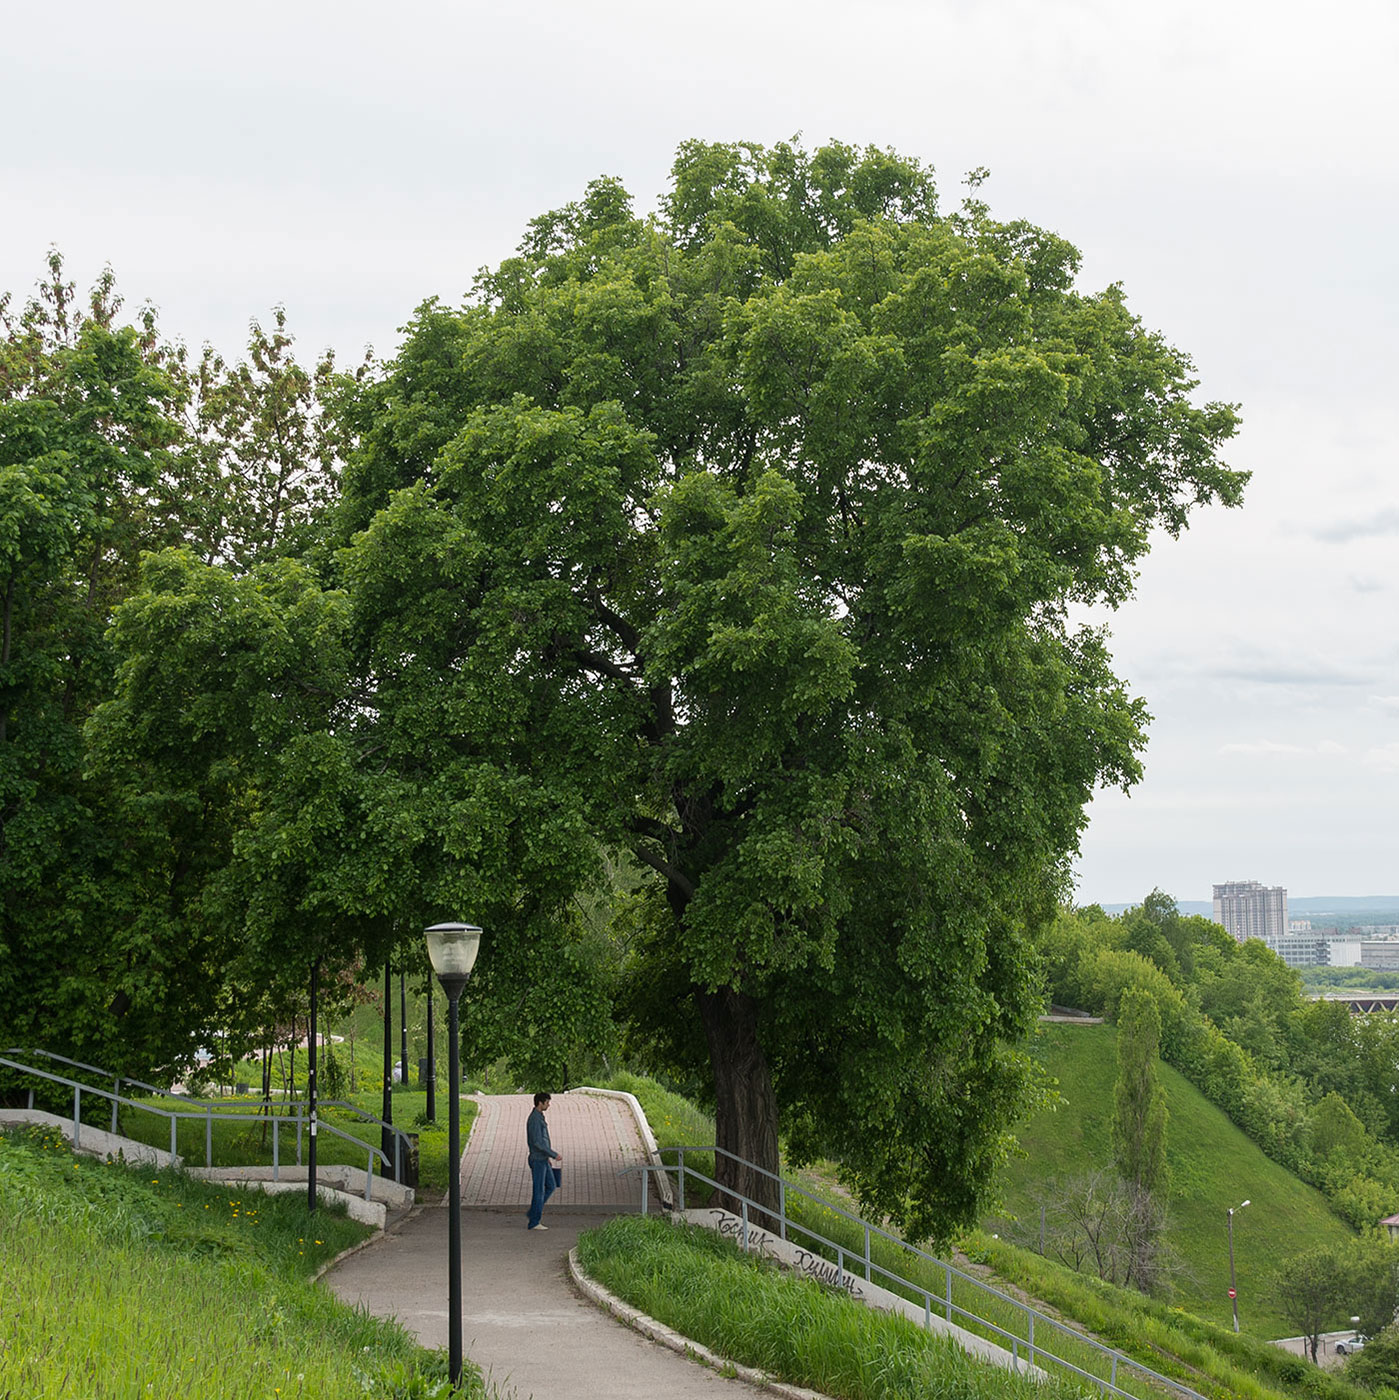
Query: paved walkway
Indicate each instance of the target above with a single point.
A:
(522, 1322)
(596, 1134)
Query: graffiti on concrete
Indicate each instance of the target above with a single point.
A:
(823, 1271)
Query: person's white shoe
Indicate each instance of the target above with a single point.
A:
(539, 1227)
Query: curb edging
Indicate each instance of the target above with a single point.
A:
(676, 1342)
(643, 1128)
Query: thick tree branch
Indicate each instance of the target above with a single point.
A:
(673, 876)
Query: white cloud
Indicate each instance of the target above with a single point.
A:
(1268, 748)
(1385, 758)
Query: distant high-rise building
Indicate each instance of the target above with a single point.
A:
(1250, 910)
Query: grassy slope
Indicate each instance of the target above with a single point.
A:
(1213, 1166)
(129, 1284)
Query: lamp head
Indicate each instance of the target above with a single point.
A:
(452, 949)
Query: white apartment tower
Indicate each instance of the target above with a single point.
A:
(1250, 910)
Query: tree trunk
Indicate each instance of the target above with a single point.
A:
(745, 1107)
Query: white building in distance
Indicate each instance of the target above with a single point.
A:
(1248, 909)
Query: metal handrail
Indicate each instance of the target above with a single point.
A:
(400, 1137)
(206, 1112)
(1034, 1353)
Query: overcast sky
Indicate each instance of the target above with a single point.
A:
(1231, 164)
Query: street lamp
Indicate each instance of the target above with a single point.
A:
(1233, 1290)
(452, 949)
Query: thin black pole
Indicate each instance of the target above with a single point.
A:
(311, 1091)
(403, 1024)
(453, 988)
(386, 1110)
(1233, 1287)
(431, 1106)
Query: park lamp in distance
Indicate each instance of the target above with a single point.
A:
(452, 949)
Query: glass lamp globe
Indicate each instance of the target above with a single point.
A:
(452, 949)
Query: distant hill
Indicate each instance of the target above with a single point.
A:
(1213, 1166)
(1299, 906)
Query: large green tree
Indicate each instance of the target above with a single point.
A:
(745, 538)
(126, 848)
(89, 465)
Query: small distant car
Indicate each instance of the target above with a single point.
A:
(1348, 1346)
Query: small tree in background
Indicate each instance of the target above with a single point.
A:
(1313, 1291)
(1139, 1133)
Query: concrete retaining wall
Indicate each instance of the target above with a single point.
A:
(91, 1142)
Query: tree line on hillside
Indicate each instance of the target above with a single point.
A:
(690, 608)
(1311, 1083)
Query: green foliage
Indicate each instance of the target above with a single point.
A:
(114, 944)
(1139, 1123)
(1313, 1291)
(1378, 1364)
(741, 540)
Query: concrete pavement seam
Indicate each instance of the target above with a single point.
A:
(668, 1337)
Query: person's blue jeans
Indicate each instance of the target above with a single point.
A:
(542, 1178)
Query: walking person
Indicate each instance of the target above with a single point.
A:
(541, 1159)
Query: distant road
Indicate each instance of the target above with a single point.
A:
(1362, 1001)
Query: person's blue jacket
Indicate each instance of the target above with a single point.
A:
(537, 1137)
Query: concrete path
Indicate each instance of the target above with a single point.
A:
(522, 1321)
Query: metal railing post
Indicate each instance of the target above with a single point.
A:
(1030, 1318)
(116, 1094)
(298, 1135)
(681, 1175)
(369, 1176)
(869, 1277)
(947, 1270)
(840, 1267)
(77, 1112)
(781, 1208)
(31, 1098)
(174, 1147)
(645, 1194)
(743, 1207)
(276, 1162)
(208, 1137)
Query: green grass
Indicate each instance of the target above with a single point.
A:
(1213, 1166)
(1204, 1355)
(244, 1144)
(753, 1314)
(120, 1283)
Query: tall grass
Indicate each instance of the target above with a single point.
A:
(123, 1283)
(753, 1314)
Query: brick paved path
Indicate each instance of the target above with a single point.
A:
(597, 1136)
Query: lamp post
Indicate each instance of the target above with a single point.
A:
(311, 1087)
(452, 949)
(1233, 1289)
